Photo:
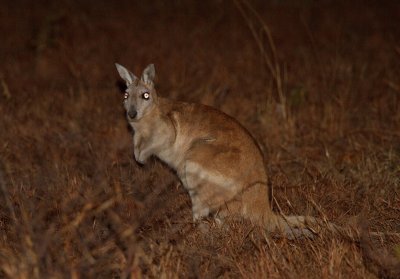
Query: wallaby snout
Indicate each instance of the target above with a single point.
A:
(132, 113)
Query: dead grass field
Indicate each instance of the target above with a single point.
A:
(74, 203)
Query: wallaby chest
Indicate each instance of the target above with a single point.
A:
(160, 138)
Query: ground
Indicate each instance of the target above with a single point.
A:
(316, 82)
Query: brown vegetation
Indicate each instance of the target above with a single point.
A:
(323, 101)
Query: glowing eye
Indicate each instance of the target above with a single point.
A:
(146, 95)
(126, 95)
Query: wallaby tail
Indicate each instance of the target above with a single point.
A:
(309, 227)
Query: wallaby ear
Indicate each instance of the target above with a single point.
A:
(149, 74)
(125, 74)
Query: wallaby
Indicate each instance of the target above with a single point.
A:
(217, 160)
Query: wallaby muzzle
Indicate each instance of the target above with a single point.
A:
(132, 112)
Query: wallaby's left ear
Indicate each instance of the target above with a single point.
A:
(149, 74)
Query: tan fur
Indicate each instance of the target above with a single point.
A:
(217, 160)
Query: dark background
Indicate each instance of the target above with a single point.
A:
(316, 82)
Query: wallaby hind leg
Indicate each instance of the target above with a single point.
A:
(206, 195)
(251, 204)
(209, 187)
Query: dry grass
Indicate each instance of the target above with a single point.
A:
(75, 204)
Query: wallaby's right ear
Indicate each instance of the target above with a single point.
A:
(125, 74)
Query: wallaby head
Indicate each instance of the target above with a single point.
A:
(140, 95)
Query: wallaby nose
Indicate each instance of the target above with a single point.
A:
(132, 113)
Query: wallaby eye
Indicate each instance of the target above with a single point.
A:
(126, 95)
(146, 95)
